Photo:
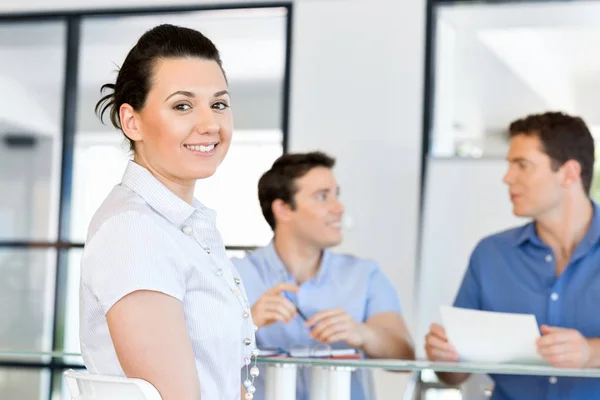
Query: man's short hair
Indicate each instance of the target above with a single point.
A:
(563, 138)
(279, 181)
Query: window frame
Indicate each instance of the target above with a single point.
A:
(73, 22)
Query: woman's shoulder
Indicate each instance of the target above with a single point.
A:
(122, 207)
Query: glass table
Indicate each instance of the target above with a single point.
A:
(331, 377)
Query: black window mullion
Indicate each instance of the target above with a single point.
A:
(40, 245)
(69, 127)
(287, 79)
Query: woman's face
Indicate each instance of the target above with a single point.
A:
(184, 130)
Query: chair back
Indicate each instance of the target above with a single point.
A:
(86, 386)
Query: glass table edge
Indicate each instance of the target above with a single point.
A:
(385, 364)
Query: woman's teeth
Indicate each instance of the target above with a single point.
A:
(201, 148)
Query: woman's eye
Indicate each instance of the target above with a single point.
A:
(182, 107)
(220, 106)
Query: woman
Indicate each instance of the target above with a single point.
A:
(159, 298)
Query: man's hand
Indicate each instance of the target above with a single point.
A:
(272, 306)
(337, 325)
(437, 346)
(564, 348)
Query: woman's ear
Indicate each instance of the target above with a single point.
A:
(130, 123)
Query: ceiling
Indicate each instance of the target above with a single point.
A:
(495, 63)
(252, 43)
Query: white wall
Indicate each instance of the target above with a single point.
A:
(357, 89)
(357, 93)
(358, 96)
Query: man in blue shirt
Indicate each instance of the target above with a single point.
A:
(348, 300)
(549, 267)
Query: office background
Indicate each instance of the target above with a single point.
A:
(410, 96)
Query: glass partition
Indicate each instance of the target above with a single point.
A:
(32, 75)
(58, 162)
(497, 61)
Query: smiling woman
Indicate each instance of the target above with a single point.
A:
(160, 300)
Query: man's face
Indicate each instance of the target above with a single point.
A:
(317, 217)
(534, 188)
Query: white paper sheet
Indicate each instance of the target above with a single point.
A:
(492, 337)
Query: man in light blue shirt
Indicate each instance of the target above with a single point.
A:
(348, 301)
(549, 267)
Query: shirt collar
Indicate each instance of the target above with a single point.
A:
(528, 232)
(160, 198)
(276, 265)
(593, 234)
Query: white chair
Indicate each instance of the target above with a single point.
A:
(85, 386)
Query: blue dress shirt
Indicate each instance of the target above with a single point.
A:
(514, 271)
(356, 285)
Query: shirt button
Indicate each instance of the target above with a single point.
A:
(237, 281)
(219, 272)
(245, 315)
(554, 296)
(548, 258)
(187, 229)
(247, 342)
(552, 380)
